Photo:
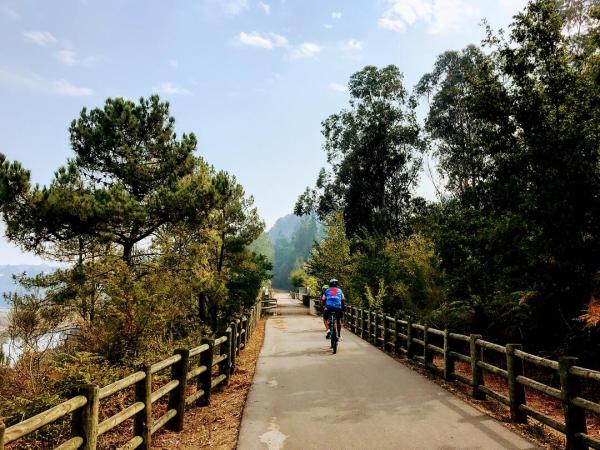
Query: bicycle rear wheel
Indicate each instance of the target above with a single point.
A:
(334, 334)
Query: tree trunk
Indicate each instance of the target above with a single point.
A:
(127, 253)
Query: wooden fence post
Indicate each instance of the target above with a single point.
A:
(238, 343)
(2, 428)
(374, 329)
(245, 328)
(409, 337)
(396, 338)
(516, 391)
(179, 372)
(427, 353)
(386, 333)
(448, 359)
(348, 318)
(574, 415)
(85, 419)
(234, 338)
(362, 322)
(249, 325)
(379, 331)
(225, 366)
(142, 424)
(205, 378)
(476, 371)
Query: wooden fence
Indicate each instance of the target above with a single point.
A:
(416, 341)
(195, 364)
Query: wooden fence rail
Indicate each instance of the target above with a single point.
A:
(186, 365)
(415, 341)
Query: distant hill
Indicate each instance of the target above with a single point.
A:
(284, 227)
(292, 238)
(7, 284)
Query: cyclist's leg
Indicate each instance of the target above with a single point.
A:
(326, 320)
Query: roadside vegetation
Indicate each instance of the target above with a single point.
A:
(152, 247)
(510, 247)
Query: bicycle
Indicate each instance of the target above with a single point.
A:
(333, 330)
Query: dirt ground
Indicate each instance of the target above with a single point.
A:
(217, 426)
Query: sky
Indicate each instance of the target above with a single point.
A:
(253, 79)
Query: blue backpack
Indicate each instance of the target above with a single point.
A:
(333, 298)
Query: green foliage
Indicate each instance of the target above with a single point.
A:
(153, 245)
(375, 302)
(263, 246)
(514, 133)
(130, 177)
(291, 253)
(372, 149)
(330, 257)
(300, 278)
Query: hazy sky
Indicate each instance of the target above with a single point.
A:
(253, 79)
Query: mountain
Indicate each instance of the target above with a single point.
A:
(284, 227)
(292, 238)
(7, 284)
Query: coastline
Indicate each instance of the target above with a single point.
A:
(3, 316)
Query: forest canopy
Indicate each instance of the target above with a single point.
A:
(510, 246)
(152, 245)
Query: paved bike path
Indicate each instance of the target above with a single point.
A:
(304, 397)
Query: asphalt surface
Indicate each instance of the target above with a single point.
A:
(304, 397)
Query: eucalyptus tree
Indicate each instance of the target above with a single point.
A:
(373, 152)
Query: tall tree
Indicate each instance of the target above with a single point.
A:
(372, 149)
(130, 177)
(516, 132)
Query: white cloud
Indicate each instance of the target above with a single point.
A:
(337, 87)
(39, 37)
(441, 16)
(265, 7)
(262, 40)
(173, 63)
(391, 24)
(169, 88)
(353, 45)
(64, 87)
(449, 15)
(70, 58)
(255, 40)
(328, 26)
(336, 15)
(305, 50)
(36, 83)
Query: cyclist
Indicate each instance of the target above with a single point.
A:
(323, 289)
(333, 301)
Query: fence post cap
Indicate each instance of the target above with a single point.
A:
(87, 387)
(512, 347)
(567, 361)
(182, 350)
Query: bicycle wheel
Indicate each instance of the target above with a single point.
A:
(334, 335)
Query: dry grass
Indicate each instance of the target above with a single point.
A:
(217, 426)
